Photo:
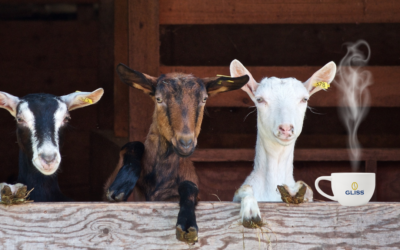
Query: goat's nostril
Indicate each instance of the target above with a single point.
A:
(185, 143)
(48, 158)
(286, 128)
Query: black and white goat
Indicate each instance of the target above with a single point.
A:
(41, 119)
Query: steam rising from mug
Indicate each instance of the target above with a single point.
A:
(354, 98)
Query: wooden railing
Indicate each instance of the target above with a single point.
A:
(151, 225)
(285, 11)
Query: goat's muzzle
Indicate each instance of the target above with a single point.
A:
(184, 145)
(48, 163)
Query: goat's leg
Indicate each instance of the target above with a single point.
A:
(128, 174)
(249, 211)
(186, 226)
(299, 193)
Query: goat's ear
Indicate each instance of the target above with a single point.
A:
(221, 84)
(323, 76)
(9, 102)
(136, 79)
(237, 69)
(78, 99)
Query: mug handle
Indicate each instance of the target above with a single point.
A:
(327, 178)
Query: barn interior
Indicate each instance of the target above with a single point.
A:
(60, 46)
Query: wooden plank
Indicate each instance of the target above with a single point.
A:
(216, 139)
(48, 1)
(151, 225)
(144, 56)
(384, 91)
(121, 90)
(270, 11)
(300, 154)
(105, 64)
(371, 166)
(387, 181)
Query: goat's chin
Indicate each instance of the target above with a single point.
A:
(285, 142)
(183, 154)
(41, 169)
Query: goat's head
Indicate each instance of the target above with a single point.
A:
(41, 119)
(282, 103)
(179, 102)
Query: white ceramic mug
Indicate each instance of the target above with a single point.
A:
(349, 189)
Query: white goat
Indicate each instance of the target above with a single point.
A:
(281, 106)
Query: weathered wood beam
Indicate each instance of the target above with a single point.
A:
(384, 92)
(144, 56)
(151, 225)
(285, 11)
(300, 154)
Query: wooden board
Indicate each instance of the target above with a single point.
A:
(48, 1)
(322, 225)
(270, 11)
(310, 154)
(384, 92)
(387, 181)
(144, 57)
(273, 44)
(121, 90)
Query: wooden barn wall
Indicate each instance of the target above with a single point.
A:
(61, 56)
(58, 55)
(285, 45)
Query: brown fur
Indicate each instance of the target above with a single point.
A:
(178, 114)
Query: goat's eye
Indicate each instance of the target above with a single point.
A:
(260, 99)
(20, 120)
(305, 99)
(159, 100)
(205, 99)
(67, 119)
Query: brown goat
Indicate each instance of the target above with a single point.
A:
(161, 169)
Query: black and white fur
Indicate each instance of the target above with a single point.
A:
(41, 120)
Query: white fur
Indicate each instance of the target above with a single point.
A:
(9, 102)
(47, 146)
(282, 103)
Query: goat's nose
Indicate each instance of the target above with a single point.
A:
(185, 142)
(48, 158)
(286, 129)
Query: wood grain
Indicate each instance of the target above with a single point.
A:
(270, 11)
(310, 154)
(144, 56)
(323, 225)
(384, 91)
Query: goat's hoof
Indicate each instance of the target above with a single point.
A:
(111, 197)
(250, 212)
(189, 237)
(252, 222)
(300, 193)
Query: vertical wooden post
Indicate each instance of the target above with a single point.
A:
(121, 90)
(144, 56)
(371, 166)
